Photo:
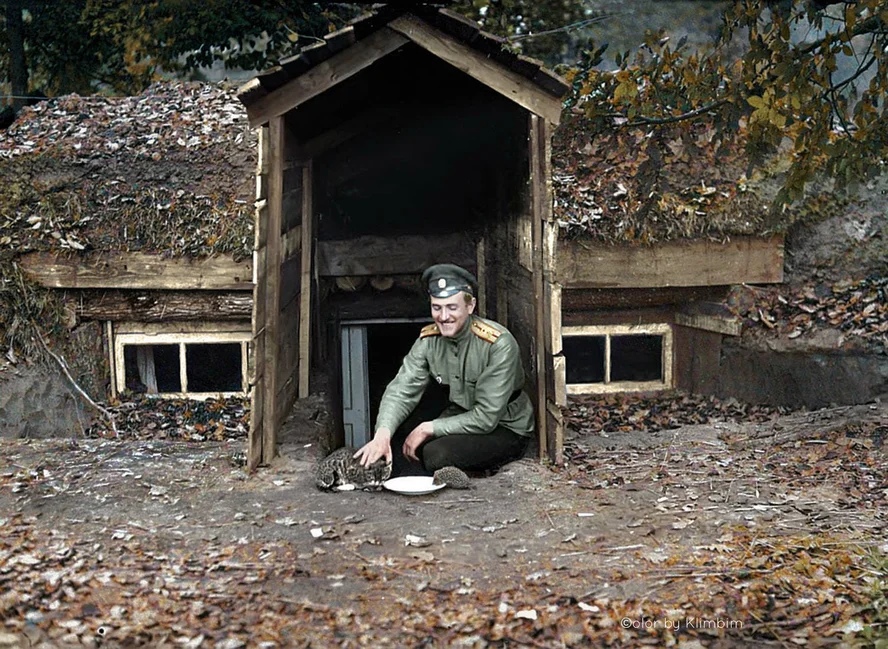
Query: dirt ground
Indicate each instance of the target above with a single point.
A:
(717, 535)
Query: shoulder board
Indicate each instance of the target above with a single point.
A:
(429, 330)
(484, 331)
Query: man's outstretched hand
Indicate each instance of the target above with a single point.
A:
(379, 446)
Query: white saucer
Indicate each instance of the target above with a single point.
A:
(412, 485)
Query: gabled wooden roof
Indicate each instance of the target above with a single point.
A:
(441, 32)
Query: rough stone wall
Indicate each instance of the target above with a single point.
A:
(38, 401)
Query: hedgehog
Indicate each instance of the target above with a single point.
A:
(452, 477)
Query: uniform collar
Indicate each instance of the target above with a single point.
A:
(464, 333)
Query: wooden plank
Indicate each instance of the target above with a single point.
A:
(136, 270)
(478, 66)
(481, 276)
(285, 398)
(110, 353)
(288, 347)
(292, 201)
(260, 222)
(236, 330)
(291, 283)
(257, 423)
(157, 306)
(262, 158)
(576, 302)
(320, 78)
(697, 360)
(273, 287)
(392, 255)
(305, 282)
(537, 193)
(727, 325)
(553, 310)
(560, 375)
(742, 260)
(259, 290)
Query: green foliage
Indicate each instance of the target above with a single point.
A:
(121, 46)
(809, 88)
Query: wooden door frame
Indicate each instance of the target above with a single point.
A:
(547, 294)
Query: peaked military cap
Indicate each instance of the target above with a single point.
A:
(444, 280)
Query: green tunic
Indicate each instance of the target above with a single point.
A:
(482, 367)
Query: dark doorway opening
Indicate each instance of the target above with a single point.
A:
(387, 345)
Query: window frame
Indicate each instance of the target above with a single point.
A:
(133, 334)
(608, 386)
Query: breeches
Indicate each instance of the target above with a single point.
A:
(473, 452)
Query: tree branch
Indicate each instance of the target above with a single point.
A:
(655, 121)
(80, 391)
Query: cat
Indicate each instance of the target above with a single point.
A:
(339, 471)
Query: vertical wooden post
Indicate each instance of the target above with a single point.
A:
(112, 367)
(537, 192)
(260, 271)
(273, 286)
(305, 285)
(547, 295)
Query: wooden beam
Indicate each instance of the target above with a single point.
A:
(325, 75)
(584, 301)
(256, 369)
(392, 255)
(537, 194)
(223, 329)
(136, 270)
(478, 66)
(273, 288)
(158, 306)
(742, 260)
(710, 317)
(305, 283)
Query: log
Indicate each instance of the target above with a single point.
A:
(156, 306)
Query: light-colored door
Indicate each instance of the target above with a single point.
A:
(355, 385)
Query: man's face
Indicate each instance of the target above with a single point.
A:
(451, 313)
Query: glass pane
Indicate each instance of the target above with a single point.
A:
(584, 358)
(214, 367)
(637, 358)
(152, 369)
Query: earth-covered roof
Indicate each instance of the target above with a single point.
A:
(648, 184)
(170, 171)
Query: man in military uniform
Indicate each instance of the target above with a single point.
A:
(489, 419)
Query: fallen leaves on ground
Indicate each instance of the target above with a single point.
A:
(133, 591)
(625, 412)
(147, 418)
(858, 309)
(772, 535)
